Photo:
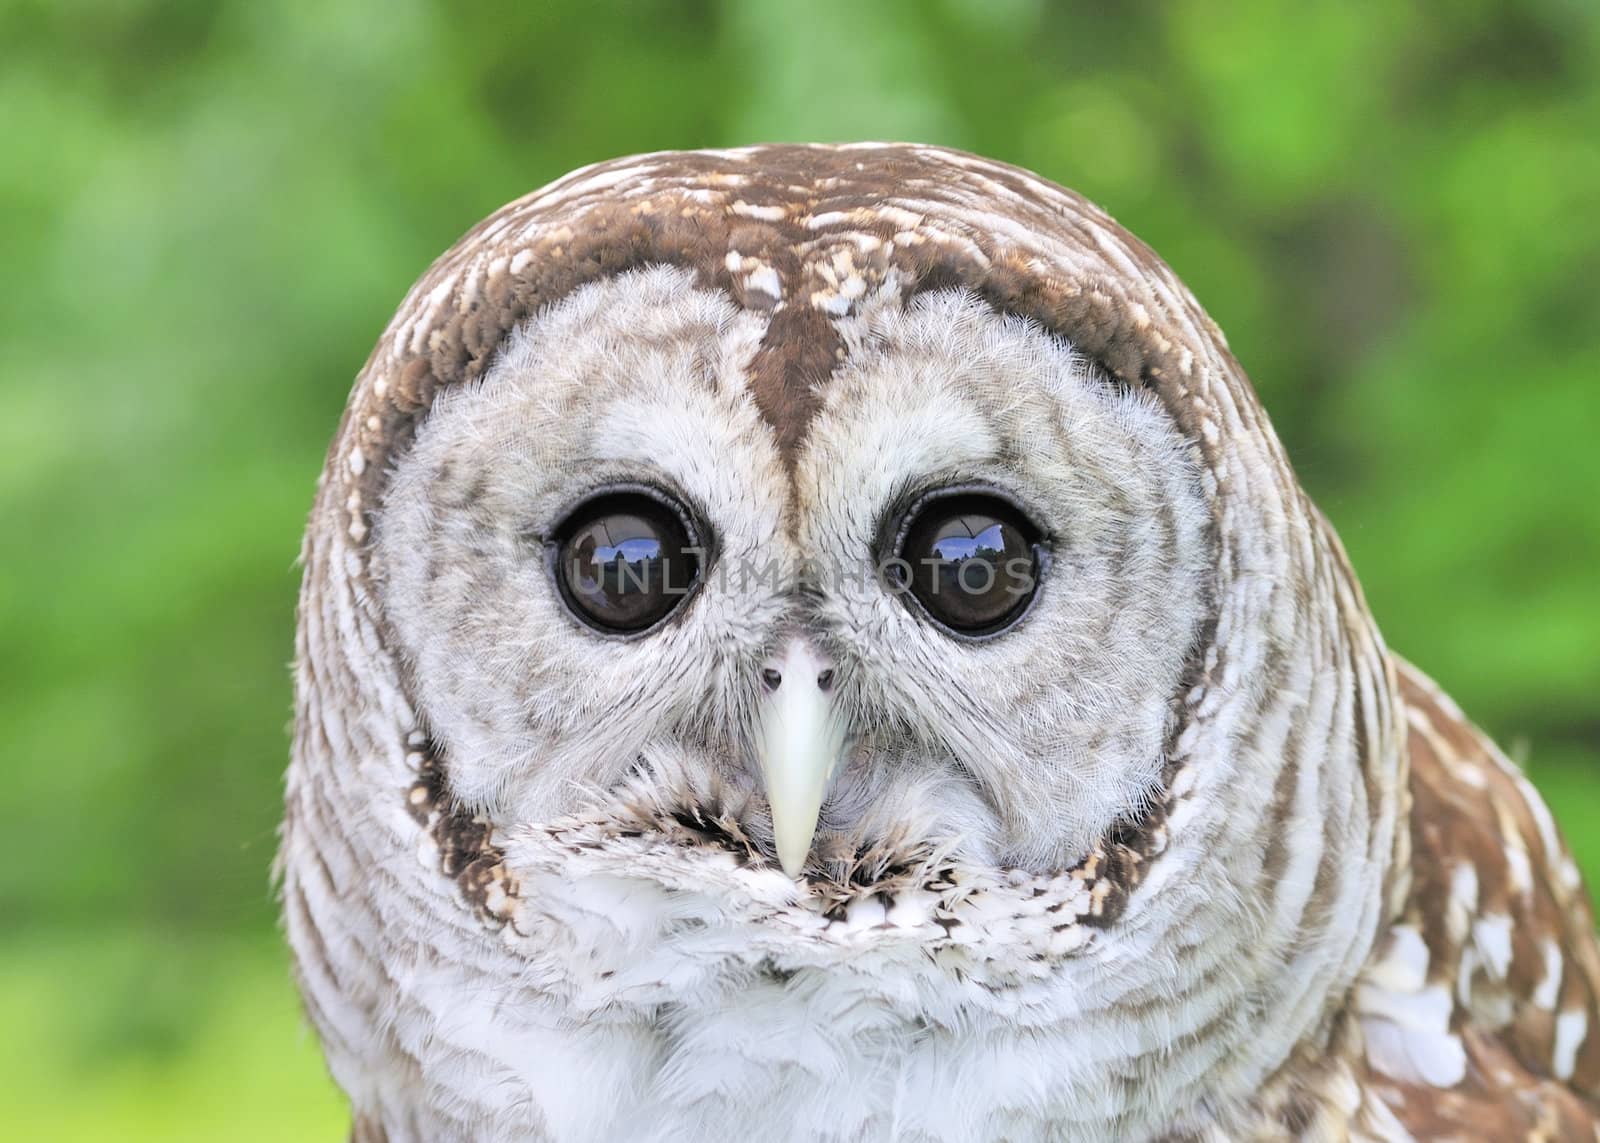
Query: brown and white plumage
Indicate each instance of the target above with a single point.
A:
(1186, 854)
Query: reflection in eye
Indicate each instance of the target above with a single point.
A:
(988, 544)
(973, 561)
(625, 562)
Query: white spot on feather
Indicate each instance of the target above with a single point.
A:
(1406, 1020)
(765, 281)
(1571, 1030)
(764, 213)
(1549, 989)
(1413, 1056)
(1403, 967)
(1463, 900)
(1492, 936)
(1519, 870)
(1570, 877)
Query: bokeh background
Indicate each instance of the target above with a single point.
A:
(208, 211)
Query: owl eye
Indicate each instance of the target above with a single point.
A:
(626, 560)
(970, 559)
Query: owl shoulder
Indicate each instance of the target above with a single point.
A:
(1481, 1005)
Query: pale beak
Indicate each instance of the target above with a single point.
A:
(800, 739)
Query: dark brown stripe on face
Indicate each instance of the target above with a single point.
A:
(794, 362)
(801, 347)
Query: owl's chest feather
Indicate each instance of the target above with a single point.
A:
(633, 994)
(879, 1050)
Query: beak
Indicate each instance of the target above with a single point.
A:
(800, 740)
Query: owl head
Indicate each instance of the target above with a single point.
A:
(859, 574)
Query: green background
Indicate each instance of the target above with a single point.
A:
(207, 213)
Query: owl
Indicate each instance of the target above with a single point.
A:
(823, 643)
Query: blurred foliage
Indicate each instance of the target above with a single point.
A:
(207, 212)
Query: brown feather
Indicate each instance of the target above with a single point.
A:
(1471, 807)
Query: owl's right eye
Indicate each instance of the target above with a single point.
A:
(625, 560)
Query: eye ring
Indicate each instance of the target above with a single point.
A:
(969, 559)
(625, 558)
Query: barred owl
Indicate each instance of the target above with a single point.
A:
(823, 643)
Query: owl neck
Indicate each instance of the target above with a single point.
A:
(1286, 854)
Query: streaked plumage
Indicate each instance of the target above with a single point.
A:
(1185, 853)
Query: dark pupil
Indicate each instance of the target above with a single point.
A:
(973, 565)
(625, 565)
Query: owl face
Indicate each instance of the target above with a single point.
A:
(952, 615)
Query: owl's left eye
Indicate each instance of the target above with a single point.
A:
(625, 560)
(971, 559)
